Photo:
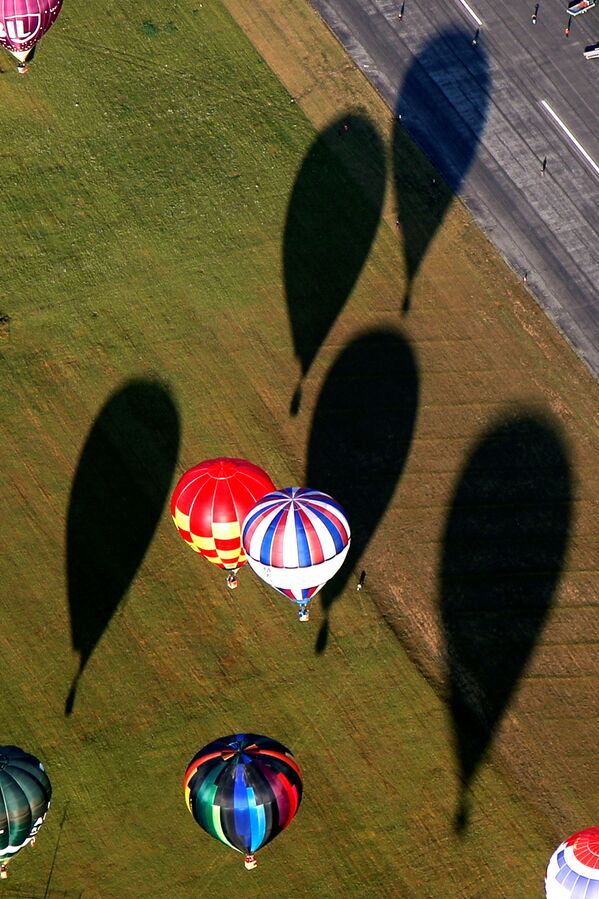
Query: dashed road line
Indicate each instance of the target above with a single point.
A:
(570, 136)
(471, 12)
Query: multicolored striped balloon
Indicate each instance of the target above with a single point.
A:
(243, 790)
(25, 794)
(24, 22)
(296, 539)
(210, 503)
(573, 871)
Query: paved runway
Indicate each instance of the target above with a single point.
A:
(546, 225)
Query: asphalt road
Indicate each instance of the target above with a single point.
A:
(545, 224)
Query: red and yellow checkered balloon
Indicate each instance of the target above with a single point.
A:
(210, 503)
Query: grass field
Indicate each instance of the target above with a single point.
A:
(149, 160)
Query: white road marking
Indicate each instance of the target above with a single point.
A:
(471, 12)
(570, 136)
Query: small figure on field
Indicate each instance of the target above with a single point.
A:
(361, 581)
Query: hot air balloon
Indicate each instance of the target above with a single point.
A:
(23, 23)
(296, 539)
(573, 872)
(209, 504)
(25, 793)
(243, 790)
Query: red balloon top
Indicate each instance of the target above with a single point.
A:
(585, 845)
(210, 503)
(24, 22)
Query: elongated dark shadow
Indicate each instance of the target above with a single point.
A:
(120, 487)
(360, 438)
(443, 107)
(332, 218)
(503, 554)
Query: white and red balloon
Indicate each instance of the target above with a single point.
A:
(573, 871)
(296, 539)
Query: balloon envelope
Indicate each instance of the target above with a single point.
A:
(25, 793)
(296, 539)
(573, 872)
(24, 22)
(243, 790)
(210, 503)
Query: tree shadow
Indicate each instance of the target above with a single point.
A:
(503, 553)
(332, 218)
(360, 438)
(443, 107)
(119, 490)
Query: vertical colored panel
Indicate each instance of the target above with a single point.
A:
(241, 808)
(257, 821)
(217, 829)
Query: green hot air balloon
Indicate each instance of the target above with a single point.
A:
(25, 793)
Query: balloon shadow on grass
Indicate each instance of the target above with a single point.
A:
(120, 487)
(443, 107)
(503, 554)
(360, 438)
(332, 218)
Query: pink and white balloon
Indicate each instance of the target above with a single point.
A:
(573, 872)
(24, 22)
(296, 539)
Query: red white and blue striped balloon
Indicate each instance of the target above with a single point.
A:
(573, 871)
(296, 539)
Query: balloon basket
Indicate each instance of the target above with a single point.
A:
(250, 862)
(304, 615)
(22, 70)
(3, 872)
(232, 582)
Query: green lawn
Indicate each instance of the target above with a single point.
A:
(148, 161)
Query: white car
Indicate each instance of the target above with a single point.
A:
(577, 7)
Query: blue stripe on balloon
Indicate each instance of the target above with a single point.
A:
(581, 888)
(303, 547)
(262, 509)
(269, 536)
(318, 496)
(249, 521)
(577, 884)
(241, 812)
(257, 821)
(330, 526)
(592, 889)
